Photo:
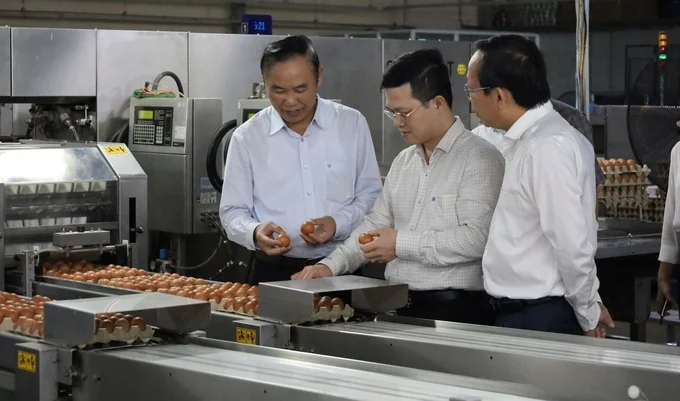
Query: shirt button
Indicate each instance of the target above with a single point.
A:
(302, 139)
(309, 193)
(305, 166)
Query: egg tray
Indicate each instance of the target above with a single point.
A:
(118, 335)
(637, 170)
(7, 326)
(333, 315)
(220, 307)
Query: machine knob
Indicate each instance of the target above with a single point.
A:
(138, 230)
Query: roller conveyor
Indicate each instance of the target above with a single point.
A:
(189, 371)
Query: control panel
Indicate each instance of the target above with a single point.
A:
(153, 126)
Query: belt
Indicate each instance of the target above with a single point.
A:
(507, 305)
(441, 295)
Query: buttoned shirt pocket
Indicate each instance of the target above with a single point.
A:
(444, 211)
(339, 182)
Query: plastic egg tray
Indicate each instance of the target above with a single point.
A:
(7, 325)
(104, 337)
(333, 315)
(221, 307)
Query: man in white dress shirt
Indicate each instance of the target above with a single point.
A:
(431, 221)
(669, 255)
(539, 262)
(303, 158)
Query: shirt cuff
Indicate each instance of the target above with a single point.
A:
(669, 254)
(336, 268)
(407, 245)
(250, 228)
(591, 318)
(341, 227)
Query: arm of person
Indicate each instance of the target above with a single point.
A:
(348, 257)
(669, 253)
(236, 203)
(466, 240)
(367, 185)
(555, 189)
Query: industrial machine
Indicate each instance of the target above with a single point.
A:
(68, 199)
(348, 348)
(170, 139)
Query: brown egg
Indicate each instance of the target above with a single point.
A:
(316, 305)
(284, 240)
(325, 303)
(227, 284)
(216, 296)
(241, 293)
(256, 312)
(89, 266)
(139, 322)
(181, 293)
(123, 324)
(200, 281)
(202, 296)
(41, 331)
(338, 301)
(33, 330)
(27, 311)
(27, 323)
(239, 303)
(176, 283)
(250, 306)
(97, 323)
(163, 284)
(365, 238)
(307, 228)
(253, 291)
(229, 303)
(18, 322)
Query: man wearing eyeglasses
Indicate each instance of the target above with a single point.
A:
(431, 221)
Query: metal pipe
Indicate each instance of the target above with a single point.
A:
(262, 4)
(180, 20)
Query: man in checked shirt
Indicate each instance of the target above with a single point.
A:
(432, 218)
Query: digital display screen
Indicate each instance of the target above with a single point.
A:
(252, 24)
(145, 114)
(251, 115)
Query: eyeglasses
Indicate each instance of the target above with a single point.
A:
(469, 91)
(399, 116)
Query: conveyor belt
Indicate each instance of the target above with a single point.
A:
(215, 365)
(447, 336)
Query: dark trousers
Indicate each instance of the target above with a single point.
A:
(553, 314)
(450, 305)
(276, 268)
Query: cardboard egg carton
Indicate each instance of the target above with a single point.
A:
(241, 311)
(102, 336)
(7, 326)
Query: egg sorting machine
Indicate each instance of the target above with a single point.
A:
(68, 199)
(178, 363)
(564, 367)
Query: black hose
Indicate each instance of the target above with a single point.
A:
(211, 160)
(172, 75)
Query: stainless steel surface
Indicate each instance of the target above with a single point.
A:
(352, 73)
(69, 239)
(71, 322)
(5, 54)
(293, 301)
(127, 59)
(182, 372)
(454, 53)
(627, 237)
(133, 200)
(54, 63)
(225, 67)
(6, 380)
(179, 188)
(41, 383)
(618, 144)
(588, 370)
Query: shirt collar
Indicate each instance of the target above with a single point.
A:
(320, 117)
(447, 141)
(527, 120)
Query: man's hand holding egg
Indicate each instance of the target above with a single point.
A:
(383, 247)
(272, 246)
(318, 231)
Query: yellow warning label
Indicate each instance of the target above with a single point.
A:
(115, 150)
(461, 69)
(26, 361)
(246, 336)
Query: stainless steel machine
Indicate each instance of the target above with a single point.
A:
(69, 199)
(365, 335)
(170, 139)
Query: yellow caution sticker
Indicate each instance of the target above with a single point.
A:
(461, 69)
(246, 336)
(115, 150)
(26, 361)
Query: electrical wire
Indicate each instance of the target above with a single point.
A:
(582, 14)
(205, 262)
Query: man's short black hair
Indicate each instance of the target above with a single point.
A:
(515, 63)
(288, 48)
(425, 71)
